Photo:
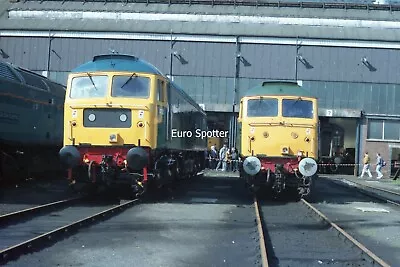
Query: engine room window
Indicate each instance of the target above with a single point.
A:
(160, 91)
(297, 108)
(263, 107)
(130, 86)
(90, 86)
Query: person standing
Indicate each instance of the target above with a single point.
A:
(228, 160)
(222, 155)
(213, 157)
(235, 158)
(366, 162)
(379, 165)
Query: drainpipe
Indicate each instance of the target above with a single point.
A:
(358, 147)
(233, 128)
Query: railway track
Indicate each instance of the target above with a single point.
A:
(263, 249)
(34, 211)
(386, 195)
(270, 259)
(42, 230)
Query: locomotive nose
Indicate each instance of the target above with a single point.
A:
(69, 156)
(137, 158)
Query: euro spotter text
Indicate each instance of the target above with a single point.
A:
(198, 133)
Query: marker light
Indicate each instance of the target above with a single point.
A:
(92, 117)
(123, 117)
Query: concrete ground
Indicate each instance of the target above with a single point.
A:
(370, 221)
(207, 222)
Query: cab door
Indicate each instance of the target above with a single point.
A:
(162, 112)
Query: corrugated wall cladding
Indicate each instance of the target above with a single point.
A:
(207, 90)
(70, 53)
(345, 64)
(336, 75)
(268, 61)
(30, 53)
(204, 59)
(372, 98)
(216, 59)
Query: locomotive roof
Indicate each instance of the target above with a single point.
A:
(278, 88)
(117, 62)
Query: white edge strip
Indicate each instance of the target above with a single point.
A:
(202, 38)
(50, 14)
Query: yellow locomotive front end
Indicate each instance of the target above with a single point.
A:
(270, 126)
(104, 113)
(113, 113)
(279, 136)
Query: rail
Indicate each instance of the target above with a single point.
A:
(17, 214)
(24, 247)
(263, 249)
(368, 252)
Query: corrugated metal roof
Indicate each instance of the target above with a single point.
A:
(210, 28)
(115, 62)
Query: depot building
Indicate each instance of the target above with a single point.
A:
(345, 57)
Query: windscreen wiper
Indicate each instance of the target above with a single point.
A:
(91, 79)
(130, 78)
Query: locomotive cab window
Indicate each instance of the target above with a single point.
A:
(263, 107)
(90, 86)
(297, 108)
(130, 86)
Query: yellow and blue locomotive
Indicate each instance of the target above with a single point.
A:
(278, 124)
(119, 116)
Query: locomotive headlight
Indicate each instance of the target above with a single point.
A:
(285, 150)
(300, 153)
(113, 138)
(92, 117)
(123, 117)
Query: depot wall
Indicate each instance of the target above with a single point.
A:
(207, 71)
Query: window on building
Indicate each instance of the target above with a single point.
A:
(375, 129)
(392, 130)
(384, 130)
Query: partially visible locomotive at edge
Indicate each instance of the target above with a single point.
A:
(120, 112)
(31, 114)
(278, 124)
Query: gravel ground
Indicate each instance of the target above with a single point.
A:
(208, 222)
(296, 238)
(371, 222)
(33, 193)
